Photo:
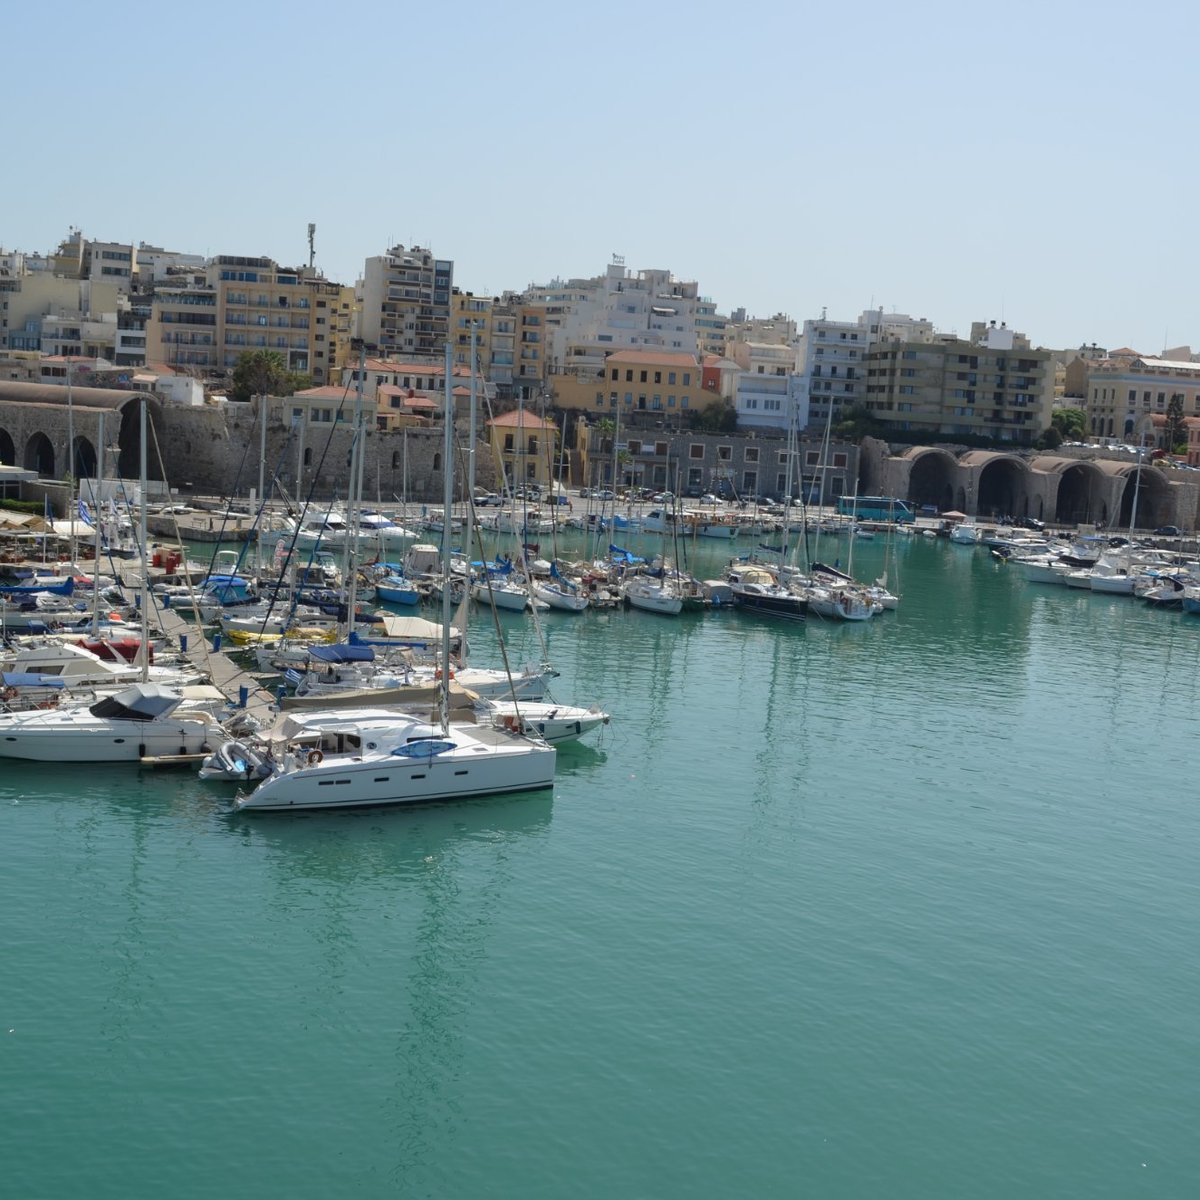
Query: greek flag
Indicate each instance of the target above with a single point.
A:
(293, 677)
(84, 515)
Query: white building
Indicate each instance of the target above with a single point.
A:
(768, 388)
(620, 310)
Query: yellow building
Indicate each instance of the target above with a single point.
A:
(467, 310)
(635, 381)
(525, 446)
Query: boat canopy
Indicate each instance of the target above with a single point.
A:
(341, 652)
(26, 679)
(141, 702)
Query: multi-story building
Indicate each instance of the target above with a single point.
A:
(635, 381)
(247, 304)
(710, 327)
(392, 384)
(997, 387)
(468, 313)
(1126, 389)
(768, 388)
(406, 301)
(779, 330)
(582, 320)
(831, 356)
(78, 257)
(25, 300)
(502, 350)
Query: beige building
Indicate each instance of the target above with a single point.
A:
(470, 312)
(25, 300)
(247, 304)
(997, 387)
(1125, 389)
(406, 297)
(526, 446)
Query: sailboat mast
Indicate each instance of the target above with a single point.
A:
(448, 508)
(96, 523)
(262, 478)
(470, 525)
(356, 470)
(145, 598)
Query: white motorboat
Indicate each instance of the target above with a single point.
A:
(554, 723)
(137, 722)
(965, 533)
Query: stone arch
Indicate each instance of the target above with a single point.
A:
(8, 451)
(1003, 487)
(129, 440)
(83, 460)
(39, 455)
(1154, 506)
(931, 477)
(1082, 495)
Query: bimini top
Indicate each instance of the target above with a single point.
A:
(341, 652)
(27, 679)
(139, 702)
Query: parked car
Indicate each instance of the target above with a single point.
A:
(604, 494)
(1168, 531)
(489, 500)
(1033, 523)
(709, 498)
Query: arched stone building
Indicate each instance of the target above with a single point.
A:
(36, 420)
(1061, 490)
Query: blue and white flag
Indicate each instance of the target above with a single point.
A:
(84, 515)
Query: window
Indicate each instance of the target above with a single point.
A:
(839, 460)
(724, 453)
(751, 454)
(614, 374)
(628, 376)
(658, 377)
(687, 379)
(812, 457)
(671, 377)
(642, 378)
(695, 450)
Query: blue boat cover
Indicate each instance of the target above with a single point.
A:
(341, 652)
(24, 679)
(623, 555)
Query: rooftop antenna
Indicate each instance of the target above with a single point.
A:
(312, 253)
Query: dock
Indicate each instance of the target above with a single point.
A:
(226, 675)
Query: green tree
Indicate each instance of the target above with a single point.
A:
(1050, 439)
(265, 373)
(719, 416)
(858, 422)
(1176, 434)
(1071, 424)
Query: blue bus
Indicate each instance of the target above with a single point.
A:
(876, 508)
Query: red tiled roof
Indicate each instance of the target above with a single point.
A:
(520, 419)
(328, 391)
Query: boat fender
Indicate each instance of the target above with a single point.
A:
(438, 673)
(315, 757)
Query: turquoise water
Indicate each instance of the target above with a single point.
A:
(905, 909)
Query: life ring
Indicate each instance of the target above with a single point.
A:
(438, 673)
(315, 757)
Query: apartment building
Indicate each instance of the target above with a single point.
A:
(831, 356)
(1125, 389)
(710, 327)
(406, 300)
(468, 313)
(247, 304)
(78, 257)
(767, 385)
(997, 387)
(26, 300)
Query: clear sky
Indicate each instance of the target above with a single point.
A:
(1031, 162)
